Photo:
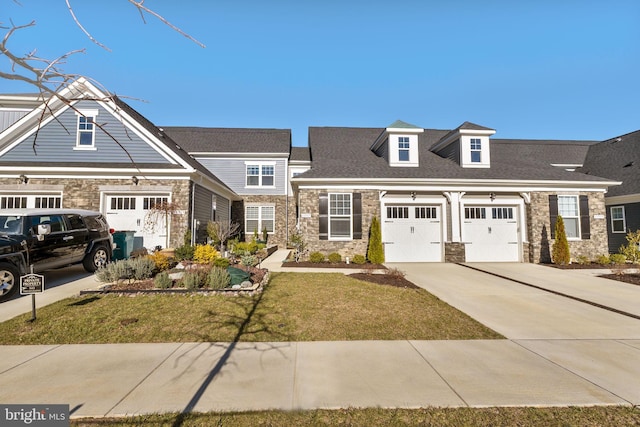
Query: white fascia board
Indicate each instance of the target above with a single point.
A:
(487, 132)
(231, 156)
(55, 171)
(454, 185)
(622, 200)
(405, 130)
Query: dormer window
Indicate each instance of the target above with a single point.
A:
(476, 150)
(403, 149)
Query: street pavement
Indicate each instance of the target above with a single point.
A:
(557, 352)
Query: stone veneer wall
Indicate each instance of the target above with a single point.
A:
(85, 194)
(309, 227)
(282, 212)
(540, 242)
(454, 252)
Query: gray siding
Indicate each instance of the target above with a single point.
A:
(383, 150)
(7, 118)
(233, 172)
(451, 152)
(222, 209)
(202, 211)
(632, 217)
(57, 140)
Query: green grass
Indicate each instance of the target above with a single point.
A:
(441, 417)
(293, 307)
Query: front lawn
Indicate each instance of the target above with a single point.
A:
(292, 307)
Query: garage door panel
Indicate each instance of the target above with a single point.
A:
(127, 212)
(412, 234)
(491, 235)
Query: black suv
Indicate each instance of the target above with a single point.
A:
(50, 238)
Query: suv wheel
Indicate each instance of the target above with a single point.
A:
(8, 281)
(98, 257)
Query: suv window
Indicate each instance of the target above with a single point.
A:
(56, 221)
(76, 222)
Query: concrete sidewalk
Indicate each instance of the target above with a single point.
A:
(126, 379)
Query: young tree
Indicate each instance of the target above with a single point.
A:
(560, 249)
(221, 231)
(159, 215)
(375, 252)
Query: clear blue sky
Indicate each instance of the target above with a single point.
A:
(543, 69)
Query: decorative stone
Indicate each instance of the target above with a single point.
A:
(246, 284)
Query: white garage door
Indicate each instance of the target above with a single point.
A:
(412, 234)
(130, 213)
(491, 234)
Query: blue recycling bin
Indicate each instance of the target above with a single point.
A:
(124, 244)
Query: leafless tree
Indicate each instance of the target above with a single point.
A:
(221, 231)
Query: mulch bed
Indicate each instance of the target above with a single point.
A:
(309, 264)
(385, 279)
(633, 279)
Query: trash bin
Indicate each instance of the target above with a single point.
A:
(124, 244)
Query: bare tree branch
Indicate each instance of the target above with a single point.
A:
(84, 30)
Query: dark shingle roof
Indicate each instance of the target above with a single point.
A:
(168, 141)
(301, 154)
(617, 159)
(225, 140)
(345, 153)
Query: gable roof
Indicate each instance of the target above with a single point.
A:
(618, 159)
(356, 161)
(399, 124)
(229, 140)
(300, 154)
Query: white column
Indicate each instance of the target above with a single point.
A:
(454, 197)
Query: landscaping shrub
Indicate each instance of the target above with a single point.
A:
(243, 248)
(359, 259)
(583, 260)
(316, 257)
(375, 252)
(334, 258)
(142, 268)
(248, 260)
(161, 261)
(221, 262)
(603, 259)
(218, 278)
(205, 254)
(184, 252)
(162, 280)
(394, 272)
(298, 244)
(630, 250)
(194, 279)
(617, 259)
(136, 253)
(560, 254)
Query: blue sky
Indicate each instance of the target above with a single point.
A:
(529, 69)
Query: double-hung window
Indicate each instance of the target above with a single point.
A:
(260, 175)
(569, 210)
(476, 150)
(86, 130)
(340, 216)
(403, 148)
(257, 218)
(618, 222)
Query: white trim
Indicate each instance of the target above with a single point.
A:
(350, 216)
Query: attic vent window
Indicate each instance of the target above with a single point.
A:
(86, 132)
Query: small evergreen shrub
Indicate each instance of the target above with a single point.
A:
(218, 278)
(114, 271)
(334, 258)
(161, 261)
(359, 259)
(617, 259)
(603, 260)
(242, 248)
(560, 250)
(583, 260)
(248, 260)
(316, 257)
(143, 268)
(375, 251)
(162, 280)
(194, 279)
(205, 254)
(185, 252)
(630, 250)
(221, 262)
